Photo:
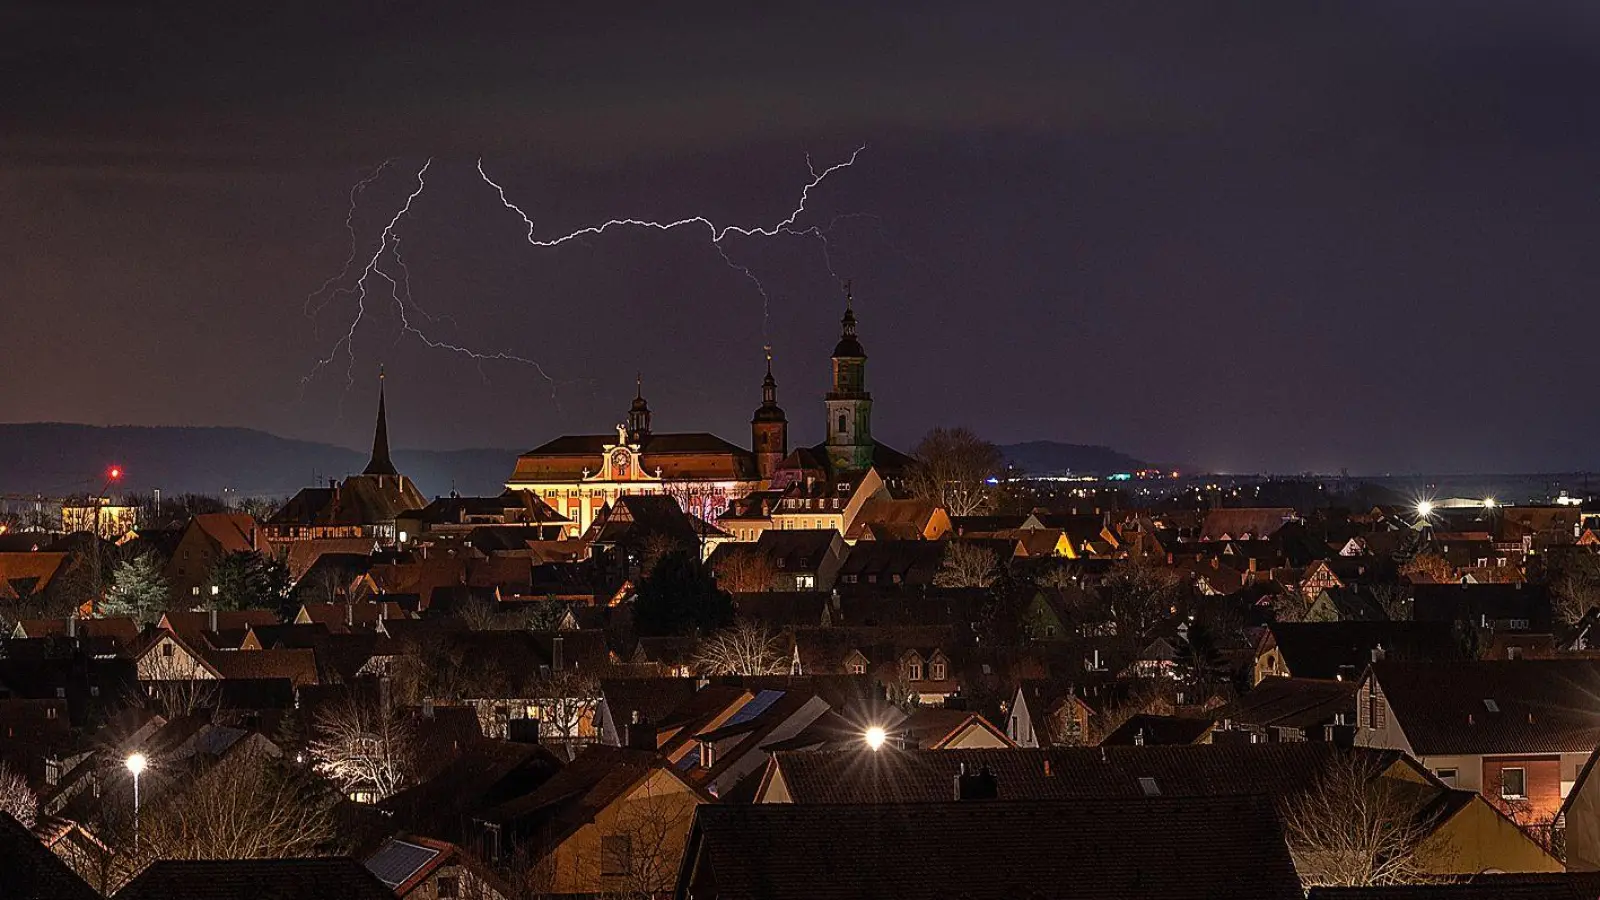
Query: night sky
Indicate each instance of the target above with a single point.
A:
(1251, 236)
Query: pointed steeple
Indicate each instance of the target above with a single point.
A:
(380, 463)
(769, 428)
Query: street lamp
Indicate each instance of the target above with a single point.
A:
(1425, 508)
(136, 763)
(875, 737)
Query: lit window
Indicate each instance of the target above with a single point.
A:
(805, 582)
(1513, 784)
(938, 670)
(915, 670)
(857, 668)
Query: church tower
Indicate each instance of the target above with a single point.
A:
(380, 464)
(769, 427)
(638, 414)
(849, 405)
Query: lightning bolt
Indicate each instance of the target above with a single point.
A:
(400, 296)
(717, 233)
(350, 228)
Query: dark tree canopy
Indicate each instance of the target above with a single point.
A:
(245, 579)
(680, 596)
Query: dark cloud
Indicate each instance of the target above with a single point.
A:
(1247, 235)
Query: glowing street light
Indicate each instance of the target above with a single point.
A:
(1425, 508)
(136, 764)
(875, 737)
(1488, 503)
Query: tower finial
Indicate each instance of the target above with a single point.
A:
(638, 385)
(768, 349)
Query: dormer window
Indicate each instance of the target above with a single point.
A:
(914, 668)
(938, 670)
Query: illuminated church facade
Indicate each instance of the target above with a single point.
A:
(578, 475)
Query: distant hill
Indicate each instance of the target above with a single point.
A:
(58, 459)
(1052, 458)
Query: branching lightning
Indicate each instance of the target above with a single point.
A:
(387, 264)
(399, 294)
(717, 233)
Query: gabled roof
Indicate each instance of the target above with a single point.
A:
(600, 776)
(1473, 602)
(31, 871)
(483, 775)
(1495, 706)
(1062, 773)
(1112, 850)
(255, 879)
(1146, 730)
(24, 574)
(1325, 649)
(687, 455)
(1292, 703)
(1235, 524)
(231, 532)
(915, 562)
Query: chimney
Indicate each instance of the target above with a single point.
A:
(72, 626)
(558, 656)
(383, 693)
(1378, 653)
(211, 618)
(639, 734)
(980, 785)
(427, 707)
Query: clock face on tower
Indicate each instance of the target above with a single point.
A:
(621, 464)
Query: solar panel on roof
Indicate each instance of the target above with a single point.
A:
(760, 704)
(397, 861)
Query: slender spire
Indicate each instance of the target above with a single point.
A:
(769, 385)
(849, 345)
(639, 412)
(380, 463)
(849, 320)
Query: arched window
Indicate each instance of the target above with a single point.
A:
(842, 423)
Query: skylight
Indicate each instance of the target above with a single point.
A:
(1491, 706)
(755, 707)
(1149, 786)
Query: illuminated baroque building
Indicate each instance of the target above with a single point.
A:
(766, 486)
(578, 474)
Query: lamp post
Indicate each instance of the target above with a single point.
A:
(136, 763)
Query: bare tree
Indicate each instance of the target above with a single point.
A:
(16, 798)
(247, 805)
(568, 700)
(1394, 600)
(1429, 568)
(953, 469)
(1356, 827)
(747, 648)
(744, 570)
(363, 745)
(1140, 594)
(1575, 587)
(966, 565)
